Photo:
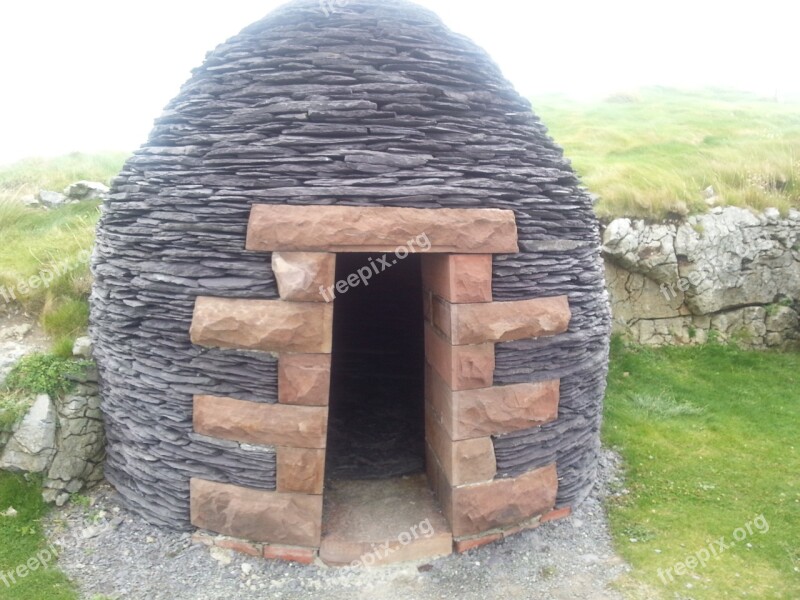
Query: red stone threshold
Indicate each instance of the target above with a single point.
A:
(379, 522)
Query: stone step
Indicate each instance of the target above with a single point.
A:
(378, 522)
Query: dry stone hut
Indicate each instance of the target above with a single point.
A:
(349, 286)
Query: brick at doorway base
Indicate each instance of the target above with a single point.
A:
(229, 543)
(297, 554)
(462, 546)
(554, 515)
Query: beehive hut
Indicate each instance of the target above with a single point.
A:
(349, 286)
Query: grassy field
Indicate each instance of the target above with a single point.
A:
(710, 440)
(44, 265)
(652, 153)
(33, 174)
(28, 565)
(22, 540)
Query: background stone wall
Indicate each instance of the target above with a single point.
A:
(62, 438)
(729, 274)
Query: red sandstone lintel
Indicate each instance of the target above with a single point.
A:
(285, 228)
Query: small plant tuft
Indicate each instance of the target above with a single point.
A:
(13, 407)
(44, 374)
(665, 406)
(81, 500)
(62, 347)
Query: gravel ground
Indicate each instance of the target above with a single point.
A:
(111, 553)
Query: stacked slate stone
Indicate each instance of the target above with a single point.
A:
(372, 103)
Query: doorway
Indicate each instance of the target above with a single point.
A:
(377, 406)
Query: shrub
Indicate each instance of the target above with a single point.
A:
(13, 407)
(44, 374)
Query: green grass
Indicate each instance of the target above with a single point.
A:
(33, 174)
(21, 538)
(36, 374)
(43, 374)
(44, 265)
(709, 436)
(13, 406)
(651, 154)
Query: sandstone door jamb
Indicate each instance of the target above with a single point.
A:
(463, 323)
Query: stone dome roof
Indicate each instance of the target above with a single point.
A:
(361, 103)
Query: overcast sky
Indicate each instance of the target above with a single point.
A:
(91, 75)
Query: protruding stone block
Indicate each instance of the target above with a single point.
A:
(494, 410)
(304, 379)
(258, 423)
(461, 367)
(256, 515)
(265, 325)
(503, 502)
(458, 278)
(300, 275)
(287, 228)
(501, 321)
(300, 470)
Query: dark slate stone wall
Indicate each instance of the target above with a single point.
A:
(376, 104)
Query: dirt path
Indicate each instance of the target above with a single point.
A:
(19, 335)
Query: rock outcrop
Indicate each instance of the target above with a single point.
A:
(62, 438)
(729, 273)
